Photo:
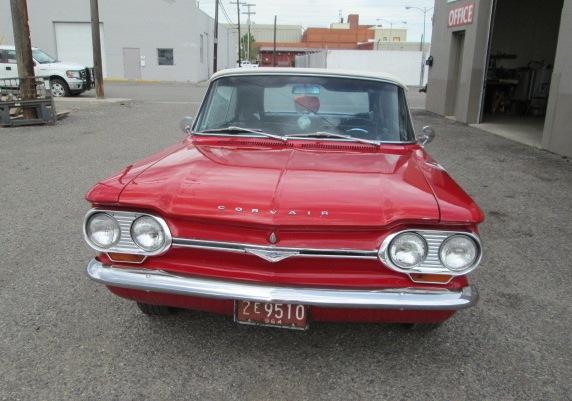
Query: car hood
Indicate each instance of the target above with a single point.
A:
(61, 66)
(286, 185)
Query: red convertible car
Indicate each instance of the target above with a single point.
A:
(297, 196)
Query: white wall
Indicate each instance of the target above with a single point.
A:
(405, 65)
(147, 25)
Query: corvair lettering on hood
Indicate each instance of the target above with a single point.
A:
(239, 209)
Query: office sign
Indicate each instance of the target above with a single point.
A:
(462, 15)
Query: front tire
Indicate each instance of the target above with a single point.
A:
(155, 310)
(59, 87)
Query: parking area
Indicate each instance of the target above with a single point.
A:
(66, 338)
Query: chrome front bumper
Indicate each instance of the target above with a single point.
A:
(163, 282)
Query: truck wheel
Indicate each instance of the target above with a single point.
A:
(155, 310)
(59, 87)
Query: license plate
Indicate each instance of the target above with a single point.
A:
(289, 316)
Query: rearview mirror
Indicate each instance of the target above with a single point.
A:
(186, 124)
(427, 135)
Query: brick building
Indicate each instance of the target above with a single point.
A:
(350, 35)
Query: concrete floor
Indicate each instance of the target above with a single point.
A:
(523, 129)
(63, 337)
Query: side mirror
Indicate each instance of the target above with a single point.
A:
(186, 124)
(427, 135)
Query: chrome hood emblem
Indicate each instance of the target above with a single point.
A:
(271, 256)
(273, 238)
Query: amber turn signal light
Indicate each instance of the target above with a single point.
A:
(430, 278)
(126, 257)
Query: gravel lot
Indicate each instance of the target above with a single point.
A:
(63, 337)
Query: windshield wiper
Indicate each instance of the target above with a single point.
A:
(233, 128)
(325, 134)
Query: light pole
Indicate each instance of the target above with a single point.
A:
(391, 22)
(424, 10)
(248, 13)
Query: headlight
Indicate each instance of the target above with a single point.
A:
(73, 74)
(407, 250)
(148, 233)
(458, 252)
(103, 230)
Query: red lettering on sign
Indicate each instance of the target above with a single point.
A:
(461, 15)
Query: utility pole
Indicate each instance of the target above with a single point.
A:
(249, 13)
(274, 50)
(424, 10)
(96, 44)
(215, 46)
(24, 53)
(237, 2)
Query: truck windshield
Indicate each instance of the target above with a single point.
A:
(42, 57)
(301, 105)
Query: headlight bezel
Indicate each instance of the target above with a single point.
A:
(432, 263)
(126, 244)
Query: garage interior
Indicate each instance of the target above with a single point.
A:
(522, 49)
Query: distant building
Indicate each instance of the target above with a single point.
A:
(389, 34)
(349, 35)
(346, 37)
(160, 40)
(265, 32)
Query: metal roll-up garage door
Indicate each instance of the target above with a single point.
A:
(73, 41)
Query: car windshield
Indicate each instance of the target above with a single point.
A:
(290, 105)
(42, 57)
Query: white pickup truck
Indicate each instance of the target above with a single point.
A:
(66, 79)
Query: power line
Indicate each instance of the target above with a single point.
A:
(224, 12)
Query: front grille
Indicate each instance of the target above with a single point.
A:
(86, 75)
(287, 251)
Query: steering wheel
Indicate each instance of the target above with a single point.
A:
(355, 125)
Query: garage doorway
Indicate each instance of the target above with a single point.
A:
(522, 49)
(73, 43)
(131, 63)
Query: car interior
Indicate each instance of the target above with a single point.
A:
(374, 112)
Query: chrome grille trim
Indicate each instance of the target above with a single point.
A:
(432, 263)
(244, 248)
(125, 243)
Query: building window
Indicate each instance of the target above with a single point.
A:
(202, 50)
(165, 57)
(385, 39)
(396, 39)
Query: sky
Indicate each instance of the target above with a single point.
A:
(321, 13)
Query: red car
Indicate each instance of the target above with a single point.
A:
(298, 196)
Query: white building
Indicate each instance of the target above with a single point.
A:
(390, 34)
(405, 65)
(170, 40)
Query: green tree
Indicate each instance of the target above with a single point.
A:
(244, 48)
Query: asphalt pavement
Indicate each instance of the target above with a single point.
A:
(63, 337)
